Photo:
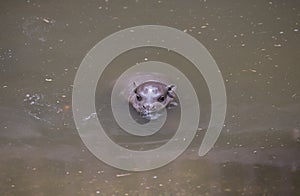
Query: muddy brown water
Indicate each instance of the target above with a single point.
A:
(255, 44)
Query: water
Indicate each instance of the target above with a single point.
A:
(255, 44)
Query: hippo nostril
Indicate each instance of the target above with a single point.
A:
(144, 107)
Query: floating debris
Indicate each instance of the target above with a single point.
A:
(252, 70)
(46, 20)
(200, 129)
(48, 79)
(121, 175)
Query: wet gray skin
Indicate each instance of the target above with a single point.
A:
(151, 97)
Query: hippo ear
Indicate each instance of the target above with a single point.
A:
(135, 87)
(170, 90)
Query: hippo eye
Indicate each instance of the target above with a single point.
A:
(161, 98)
(138, 97)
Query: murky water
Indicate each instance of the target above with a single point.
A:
(255, 44)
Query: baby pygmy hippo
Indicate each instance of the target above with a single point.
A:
(150, 97)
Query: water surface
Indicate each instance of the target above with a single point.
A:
(255, 44)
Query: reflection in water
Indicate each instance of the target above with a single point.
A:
(40, 107)
(37, 27)
(255, 44)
